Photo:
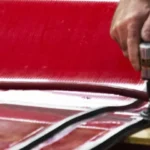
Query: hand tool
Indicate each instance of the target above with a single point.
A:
(145, 73)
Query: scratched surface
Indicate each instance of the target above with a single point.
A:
(18, 123)
(17, 111)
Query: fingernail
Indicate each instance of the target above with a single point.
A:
(125, 54)
(136, 67)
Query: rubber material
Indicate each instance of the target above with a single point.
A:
(53, 130)
(74, 86)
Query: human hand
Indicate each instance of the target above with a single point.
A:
(130, 24)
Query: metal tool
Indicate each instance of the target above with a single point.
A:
(145, 73)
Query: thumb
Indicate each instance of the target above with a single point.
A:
(145, 33)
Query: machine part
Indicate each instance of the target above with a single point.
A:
(146, 113)
(84, 116)
(145, 60)
(129, 129)
(145, 73)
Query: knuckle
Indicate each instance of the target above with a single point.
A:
(130, 41)
(113, 33)
(133, 34)
(146, 35)
(116, 27)
(133, 31)
(132, 17)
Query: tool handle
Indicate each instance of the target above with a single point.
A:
(145, 60)
(145, 73)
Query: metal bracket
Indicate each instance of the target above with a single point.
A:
(146, 114)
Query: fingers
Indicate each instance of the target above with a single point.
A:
(119, 34)
(145, 33)
(127, 25)
(122, 33)
(133, 41)
(118, 30)
(128, 37)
